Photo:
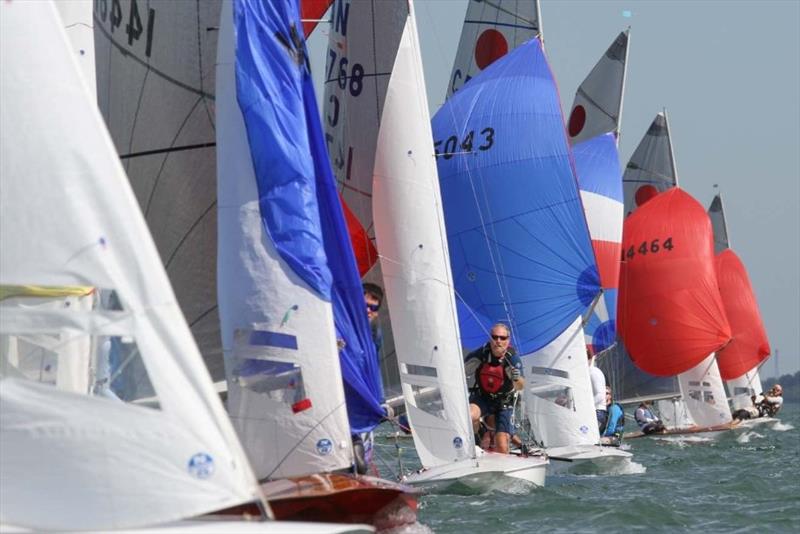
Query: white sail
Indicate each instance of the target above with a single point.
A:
(491, 29)
(76, 16)
(155, 80)
(61, 359)
(704, 394)
(651, 168)
(558, 392)
(292, 420)
(410, 232)
(68, 217)
(743, 388)
(597, 107)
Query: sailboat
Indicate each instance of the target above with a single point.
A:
(290, 298)
(410, 237)
(749, 348)
(593, 128)
(672, 319)
(652, 170)
(100, 464)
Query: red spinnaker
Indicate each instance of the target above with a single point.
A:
(312, 10)
(670, 311)
(749, 345)
(363, 247)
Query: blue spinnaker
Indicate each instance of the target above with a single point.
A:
(298, 201)
(519, 245)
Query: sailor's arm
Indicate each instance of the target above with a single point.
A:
(516, 372)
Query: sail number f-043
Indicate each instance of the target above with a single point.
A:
(648, 247)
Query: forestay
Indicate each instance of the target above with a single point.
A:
(594, 131)
(519, 245)
(409, 228)
(99, 464)
(492, 29)
(277, 211)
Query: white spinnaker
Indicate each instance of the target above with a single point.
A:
(704, 394)
(77, 20)
(65, 191)
(259, 293)
(744, 387)
(409, 227)
(155, 90)
(491, 29)
(597, 107)
(652, 164)
(58, 358)
(558, 392)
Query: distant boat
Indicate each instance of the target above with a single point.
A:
(291, 303)
(672, 319)
(740, 361)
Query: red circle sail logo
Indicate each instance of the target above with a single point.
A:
(491, 46)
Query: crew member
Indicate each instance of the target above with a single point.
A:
(598, 391)
(648, 423)
(615, 425)
(772, 402)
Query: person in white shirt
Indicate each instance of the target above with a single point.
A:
(598, 392)
(772, 402)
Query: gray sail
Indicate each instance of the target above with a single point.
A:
(492, 29)
(716, 213)
(651, 168)
(155, 80)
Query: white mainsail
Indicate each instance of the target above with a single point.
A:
(410, 232)
(492, 29)
(292, 419)
(77, 20)
(100, 464)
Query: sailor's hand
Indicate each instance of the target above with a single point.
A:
(515, 374)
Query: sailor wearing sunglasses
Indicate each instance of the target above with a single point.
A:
(498, 375)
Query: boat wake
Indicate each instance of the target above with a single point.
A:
(747, 436)
(782, 427)
(683, 441)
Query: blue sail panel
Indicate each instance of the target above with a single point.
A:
(299, 205)
(519, 244)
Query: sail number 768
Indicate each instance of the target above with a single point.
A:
(648, 247)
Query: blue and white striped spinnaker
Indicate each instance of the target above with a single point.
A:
(594, 132)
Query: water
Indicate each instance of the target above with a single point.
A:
(746, 480)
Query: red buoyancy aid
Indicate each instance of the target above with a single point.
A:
(491, 377)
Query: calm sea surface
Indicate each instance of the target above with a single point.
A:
(747, 480)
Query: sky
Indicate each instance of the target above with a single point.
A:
(728, 74)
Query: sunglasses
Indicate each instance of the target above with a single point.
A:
(373, 307)
(499, 338)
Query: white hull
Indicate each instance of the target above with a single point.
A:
(491, 471)
(211, 526)
(588, 459)
(758, 421)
